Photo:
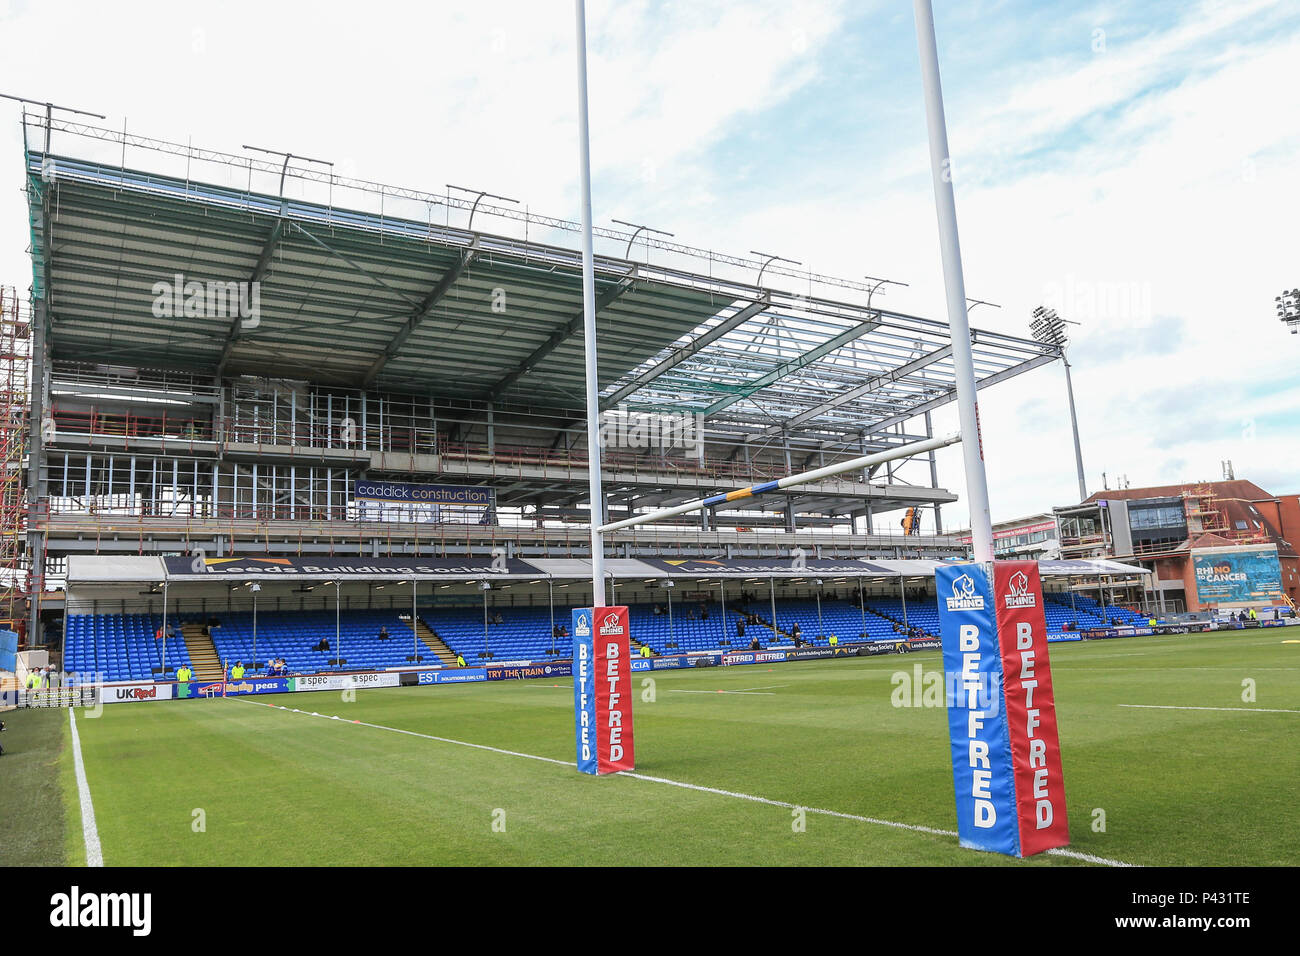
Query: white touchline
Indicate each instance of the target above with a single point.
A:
(1058, 851)
(94, 853)
(1235, 710)
(743, 693)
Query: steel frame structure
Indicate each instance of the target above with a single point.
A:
(784, 379)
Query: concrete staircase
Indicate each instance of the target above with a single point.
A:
(203, 654)
(434, 643)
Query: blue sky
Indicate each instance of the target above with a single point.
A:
(1133, 164)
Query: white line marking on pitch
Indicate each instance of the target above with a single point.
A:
(411, 733)
(916, 828)
(742, 693)
(1235, 710)
(94, 853)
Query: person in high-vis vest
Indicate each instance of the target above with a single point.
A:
(645, 650)
(237, 672)
(834, 640)
(460, 660)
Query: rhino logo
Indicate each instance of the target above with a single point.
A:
(1018, 593)
(964, 596)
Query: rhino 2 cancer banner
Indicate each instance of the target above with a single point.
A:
(1006, 758)
(1249, 575)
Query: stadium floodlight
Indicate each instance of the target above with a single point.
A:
(877, 283)
(637, 230)
(49, 113)
(972, 304)
(284, 170)
(1288, 309)
(485, 585)
(1050, 329)
(479, 196)
(769, 258)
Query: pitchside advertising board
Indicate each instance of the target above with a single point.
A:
(1006, 758)
(602, 690)
(124, 693)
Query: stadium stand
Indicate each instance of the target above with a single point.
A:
(119, 646)
(1086, 612)
(123, 647)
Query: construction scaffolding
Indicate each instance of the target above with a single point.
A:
(15, 411)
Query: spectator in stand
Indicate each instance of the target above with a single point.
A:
(704, 612)
(740, 628)
(754, 645)
(383, 632)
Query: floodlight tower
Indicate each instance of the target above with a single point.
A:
(1288, 309)
(1050, 329)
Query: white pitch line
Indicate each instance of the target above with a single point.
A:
(1235, 710)
(411, 733)
(916, 828)
(742, 693)
(90, 833)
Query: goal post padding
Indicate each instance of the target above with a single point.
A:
(602, 690)
(1006, 756)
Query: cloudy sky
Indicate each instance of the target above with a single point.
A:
(1132, 164)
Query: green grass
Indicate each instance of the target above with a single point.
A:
(39, 816)
(271, 787)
